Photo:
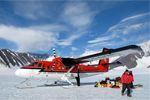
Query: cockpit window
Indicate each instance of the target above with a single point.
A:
(40, 64)
(33, 64)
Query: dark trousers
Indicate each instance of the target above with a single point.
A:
(124, 88)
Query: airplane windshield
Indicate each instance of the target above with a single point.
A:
(33, 64)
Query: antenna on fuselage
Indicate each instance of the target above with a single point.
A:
(54, 52)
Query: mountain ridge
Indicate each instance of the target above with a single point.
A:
(9, 58)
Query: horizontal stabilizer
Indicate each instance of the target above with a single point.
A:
(114, 63)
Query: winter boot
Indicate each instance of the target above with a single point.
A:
(122, 94)
(129, 95)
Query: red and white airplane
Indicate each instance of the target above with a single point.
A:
(72, 68)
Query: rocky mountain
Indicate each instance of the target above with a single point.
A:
(146, 48)
(40, 56)
(10, 58)
(129, 61)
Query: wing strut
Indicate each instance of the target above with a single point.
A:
(67, 76)
(78, 78)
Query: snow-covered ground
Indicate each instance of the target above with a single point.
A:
(86, 91)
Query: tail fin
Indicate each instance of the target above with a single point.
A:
(105, 50)
(104, 63)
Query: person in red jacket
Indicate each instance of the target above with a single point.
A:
(131, 79)
(126, 80)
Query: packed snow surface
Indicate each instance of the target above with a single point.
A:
(86, 91)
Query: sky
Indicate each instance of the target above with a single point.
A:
(72, 27)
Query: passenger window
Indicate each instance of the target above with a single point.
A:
(40, 64)
(63, 68)
(59, 67)
(80, 68)
(48, 67)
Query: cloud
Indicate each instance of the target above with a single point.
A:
(78, 17)
(30, 10)
(100, 39)
(74, 49)
(128, 30)
(50, 27)
(124, 28)
(28, 40)
(78, 14)
(102, 44)
(68, 41)
(129, 25)
(135, 17)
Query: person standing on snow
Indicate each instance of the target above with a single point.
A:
(125, 79)
(131, 79)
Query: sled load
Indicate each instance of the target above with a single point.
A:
(112, 83)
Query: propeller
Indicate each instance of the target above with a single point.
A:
(54, 52)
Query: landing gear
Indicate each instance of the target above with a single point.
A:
(56, 83)
(78, 78)
(24, 84)
(68, 76)
(78, 81)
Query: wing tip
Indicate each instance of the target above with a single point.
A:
(135, 47)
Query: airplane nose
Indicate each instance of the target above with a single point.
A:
(18, 72)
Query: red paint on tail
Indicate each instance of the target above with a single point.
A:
(103, 64)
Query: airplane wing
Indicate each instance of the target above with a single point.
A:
(102, 55)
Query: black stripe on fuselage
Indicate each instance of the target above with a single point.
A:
(73, 72)
(29, 68)
(64, 71)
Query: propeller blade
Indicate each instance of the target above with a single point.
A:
(54, 52)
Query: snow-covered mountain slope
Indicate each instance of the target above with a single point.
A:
(130, 61)
(86, 91)
(40, 56)
(9, 58)
(146, 47)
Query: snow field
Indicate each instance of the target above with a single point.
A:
(86, 91)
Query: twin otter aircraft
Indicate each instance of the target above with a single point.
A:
(72, 68)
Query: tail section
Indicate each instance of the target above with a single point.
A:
(103, 65)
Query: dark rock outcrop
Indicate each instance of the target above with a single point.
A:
(10, 58)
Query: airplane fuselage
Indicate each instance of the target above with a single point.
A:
(55, 70)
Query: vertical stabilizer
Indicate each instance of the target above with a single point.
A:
(103, 64)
